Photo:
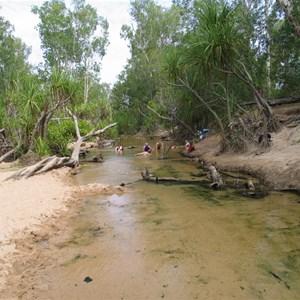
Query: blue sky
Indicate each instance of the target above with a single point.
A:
(18, 13)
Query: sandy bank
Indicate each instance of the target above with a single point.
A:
(33, 209)
(25, 204)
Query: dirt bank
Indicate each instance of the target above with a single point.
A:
(277, 167)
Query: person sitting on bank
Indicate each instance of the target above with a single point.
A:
(191, 148)
(187, 145)
(147, 148)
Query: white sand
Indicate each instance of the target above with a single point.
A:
(26, 203)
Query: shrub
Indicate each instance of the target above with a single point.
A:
(63, 132)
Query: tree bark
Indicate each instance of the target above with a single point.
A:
(9, 153)
(216, 177)
(41, 124)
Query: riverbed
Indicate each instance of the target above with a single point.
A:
(170, 241)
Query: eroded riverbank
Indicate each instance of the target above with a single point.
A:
(278, 167)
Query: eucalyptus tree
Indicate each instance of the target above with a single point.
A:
(13, 57)
(291, 9)
(285, 55)
(73, 39)
(153, 29)
(14, 74)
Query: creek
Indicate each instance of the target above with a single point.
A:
(176, 241)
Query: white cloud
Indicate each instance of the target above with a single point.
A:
(18, 12)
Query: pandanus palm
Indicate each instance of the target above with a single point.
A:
(217, 40)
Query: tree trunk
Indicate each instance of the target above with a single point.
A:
(41, 124)
(216, 177)
(9, 153)
(149, 177)
(279, 101)
(272, 122)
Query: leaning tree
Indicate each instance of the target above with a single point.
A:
(55, 162)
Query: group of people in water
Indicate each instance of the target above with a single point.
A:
(147, 149)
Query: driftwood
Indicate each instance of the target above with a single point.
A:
(216, 177)
(6, 148)
(55, 162)
(249, 185)
(96, 159)
(149, 177)
(245, 187)
(131, 147)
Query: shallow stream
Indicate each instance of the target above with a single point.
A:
(176, 241)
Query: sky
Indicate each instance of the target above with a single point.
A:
(18, 13)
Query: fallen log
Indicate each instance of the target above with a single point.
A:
(280, 101)
(96, 159)
(154, 179)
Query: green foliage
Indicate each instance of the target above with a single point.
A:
(41, 147)
(84, 127)
(126, 124)
(153, 30)
(96, 109)
(217, 32)
(59, 135)
(285, 56)
(63, 132)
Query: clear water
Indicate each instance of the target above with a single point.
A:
(176, 241)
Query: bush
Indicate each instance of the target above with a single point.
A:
(62, 133)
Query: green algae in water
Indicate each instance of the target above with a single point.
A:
(173, 251)
(82, 236)
(292, 261)
(202, 194)
(67, 244)
(74, 260)
(281, 276)
(156, 203)
(165, 171)
(156, 209)
(201, 279)
(158, 222)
